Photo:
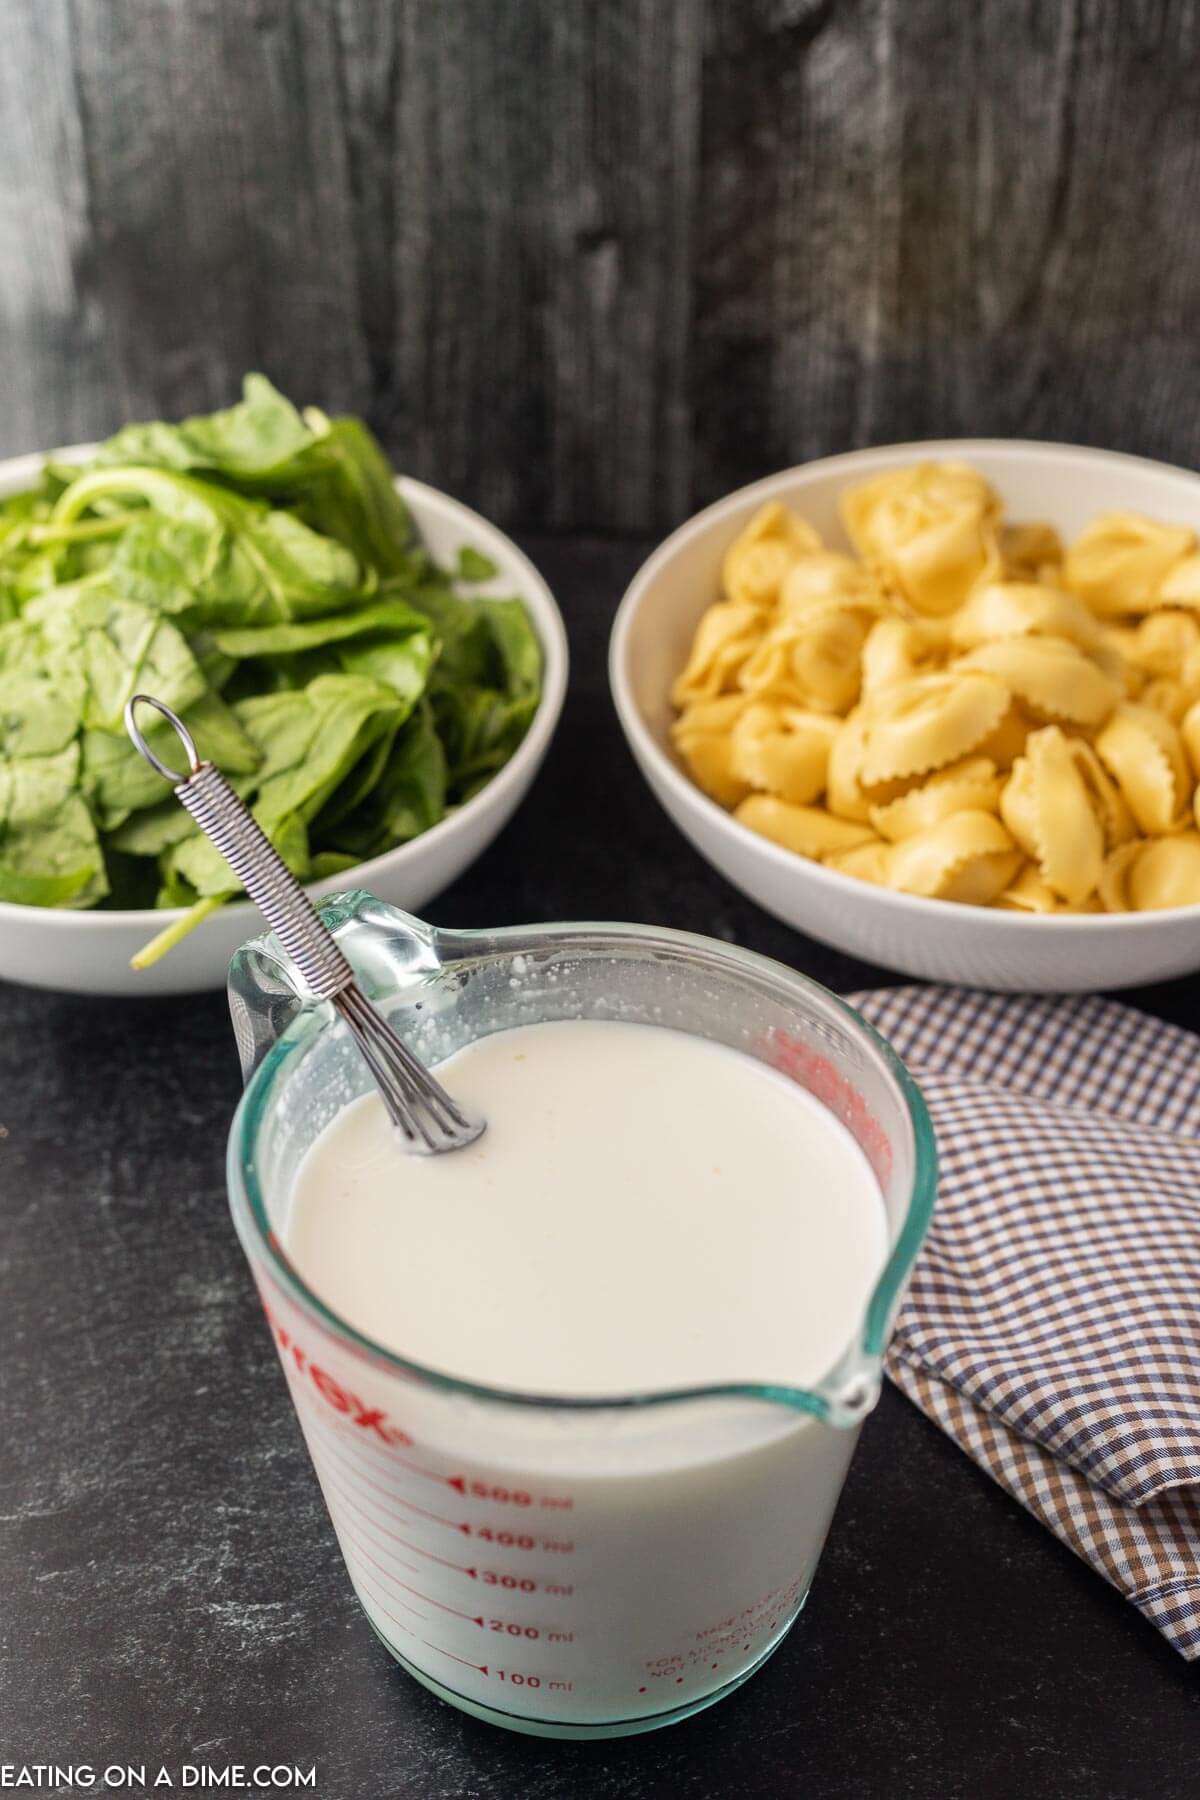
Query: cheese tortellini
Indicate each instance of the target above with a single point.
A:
(929, 532)
(963, 710)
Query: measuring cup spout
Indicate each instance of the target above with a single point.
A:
(843, 1400)
(850, 1402)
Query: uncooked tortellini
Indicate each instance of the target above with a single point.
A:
(782, 750)
(1120, 563)
(726, 637)
(930, 531)
(923, 724)
(1004, 609)
(965, 711)
(760, 556)
(1144, 754)
(1048, 807)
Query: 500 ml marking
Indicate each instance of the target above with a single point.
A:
(486, 1490)
(487, 1534)
(503, 1496)
(374, 1419)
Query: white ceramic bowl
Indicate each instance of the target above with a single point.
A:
(938, 939)
(89, 952)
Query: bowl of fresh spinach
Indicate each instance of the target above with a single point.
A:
(377, 669)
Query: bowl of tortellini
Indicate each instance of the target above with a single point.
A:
(939, 705)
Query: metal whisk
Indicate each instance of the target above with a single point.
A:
(429, 1119)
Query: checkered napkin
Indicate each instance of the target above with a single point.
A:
(1052, 1327)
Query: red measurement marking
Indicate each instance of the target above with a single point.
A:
(337, 1512)
(388, 1493)
(417, 1549)
(438, 1518)
(453, 1481)
(513, 1629)
(809, 1069)
(361, 1549)
(516, 1540)
(482, 1667)
(361, 1580)
(490, 1490)
(471, 1618)
(341, 1445)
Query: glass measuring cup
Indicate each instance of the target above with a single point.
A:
(572, 1569)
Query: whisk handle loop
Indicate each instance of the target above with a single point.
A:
(225, 819)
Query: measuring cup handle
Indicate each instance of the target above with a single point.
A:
(386, 949)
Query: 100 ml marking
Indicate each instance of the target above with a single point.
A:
(516, 1679)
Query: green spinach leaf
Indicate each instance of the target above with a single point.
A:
(246, 442)
(257, 570)
(409, 796)
(49, 850)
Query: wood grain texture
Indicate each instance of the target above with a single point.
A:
(591, 265)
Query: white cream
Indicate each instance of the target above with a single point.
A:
(646, 1210)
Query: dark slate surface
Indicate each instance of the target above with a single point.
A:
(169, 1585)
(590, 265)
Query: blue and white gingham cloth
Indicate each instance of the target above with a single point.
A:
(1052, 1327)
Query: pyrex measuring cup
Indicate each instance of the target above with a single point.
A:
(568, 1568)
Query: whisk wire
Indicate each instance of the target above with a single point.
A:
(416, 1102)
(426, 1108)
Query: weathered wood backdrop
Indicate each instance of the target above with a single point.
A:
(591, 262)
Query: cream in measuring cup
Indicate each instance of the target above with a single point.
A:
(581, 1397)
(646, 1210)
